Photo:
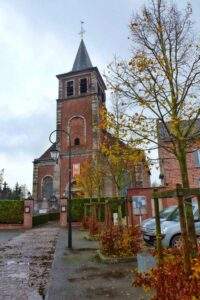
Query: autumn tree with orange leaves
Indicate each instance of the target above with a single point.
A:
(90, 181)
(121, 154)
(160, 81)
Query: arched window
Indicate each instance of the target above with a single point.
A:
(47, 187)
(76, 141)
(83, 85)
(77, 125)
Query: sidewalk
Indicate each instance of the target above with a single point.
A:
(78, 275)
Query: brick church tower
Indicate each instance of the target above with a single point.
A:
(81, 93)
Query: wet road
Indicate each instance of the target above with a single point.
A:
(25, 262)
(6, 235)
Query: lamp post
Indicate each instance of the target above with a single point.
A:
(55, 156)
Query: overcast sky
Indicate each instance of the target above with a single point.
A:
(39, 39)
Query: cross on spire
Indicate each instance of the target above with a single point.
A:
(82, 32)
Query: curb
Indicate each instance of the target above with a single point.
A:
(115, 260)
(91, 238)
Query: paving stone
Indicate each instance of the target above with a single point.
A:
(77, 274)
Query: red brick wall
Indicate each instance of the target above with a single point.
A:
(170, 169)
(76, 107)
(77, 114)
(147, 192)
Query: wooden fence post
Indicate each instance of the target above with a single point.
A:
(126, 210)
(108, 216)
(92, 220)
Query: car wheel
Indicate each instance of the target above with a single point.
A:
(176, 241)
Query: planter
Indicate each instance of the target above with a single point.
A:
(91, 237)
(115, 260)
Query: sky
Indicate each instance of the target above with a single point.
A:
(39, 39)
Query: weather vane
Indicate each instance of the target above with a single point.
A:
(82, 32)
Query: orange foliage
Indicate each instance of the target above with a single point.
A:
(170, 281)
(120, 241)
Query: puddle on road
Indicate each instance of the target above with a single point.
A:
(10, 262)
(25, 267)
(16, 269)
(19, 275)
(35, 296)
(19, 270)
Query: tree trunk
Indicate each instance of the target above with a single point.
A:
(198, 201)
(158, 231)
(184, 234)
(119, 211)
(99, 206)
(188, 202)
(119, 208)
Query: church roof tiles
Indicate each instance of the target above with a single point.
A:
(82, 60)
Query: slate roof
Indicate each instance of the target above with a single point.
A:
(46, 156)
(82, 60)
(163, 134)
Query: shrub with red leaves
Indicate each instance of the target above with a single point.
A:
(85, 222)
(169, 281)
(93, 227)
(121, 241)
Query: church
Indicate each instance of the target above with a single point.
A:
(81, 94)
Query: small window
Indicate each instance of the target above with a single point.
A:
(197, 158)
(103, 97)
(99, 90)
(70, 88)
(198, 182)
(83, 85)
(77, 141)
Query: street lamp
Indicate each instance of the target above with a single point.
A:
(54, 152)
(55, 155)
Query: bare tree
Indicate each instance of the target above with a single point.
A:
(161, 83)
(1, 178)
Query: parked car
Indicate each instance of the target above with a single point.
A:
(170, 227)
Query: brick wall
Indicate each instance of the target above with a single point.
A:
(72, 112)
(170, 169)
(132, 216)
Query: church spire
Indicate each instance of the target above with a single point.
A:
(82, 60)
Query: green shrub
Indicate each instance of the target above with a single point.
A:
(11, 211)
(40, 219)
(54, 216)
(77, 206)
(45, 218)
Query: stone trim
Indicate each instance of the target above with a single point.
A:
(41, 182)
(85, 124)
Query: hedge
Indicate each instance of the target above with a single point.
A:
(45, 218)
(11, 211)
(77, 206)
(77, 209)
